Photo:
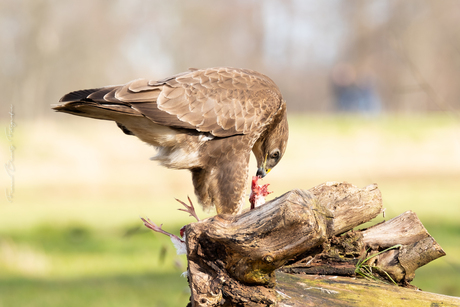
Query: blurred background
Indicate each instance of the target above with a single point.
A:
(373, 93)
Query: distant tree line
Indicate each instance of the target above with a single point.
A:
(336, 56)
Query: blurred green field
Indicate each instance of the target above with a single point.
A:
(73, 236)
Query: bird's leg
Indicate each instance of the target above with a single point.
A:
(179, 243)
(151, 225)
(190, 209)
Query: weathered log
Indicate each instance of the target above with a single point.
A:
(224, 251)
(331, 291)
(418, 247)
(383, 235)
(350, 205)
(413, 247)
(232, 259)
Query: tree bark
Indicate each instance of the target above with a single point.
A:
(232, 259)
(312, 290)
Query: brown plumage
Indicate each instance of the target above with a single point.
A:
(206, 120)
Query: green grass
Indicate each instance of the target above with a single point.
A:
(73, 237)
(148, 289)
(366, 271)
(80, 266)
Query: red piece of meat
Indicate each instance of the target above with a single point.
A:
(258, 193)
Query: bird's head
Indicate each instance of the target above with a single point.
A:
(270, 147)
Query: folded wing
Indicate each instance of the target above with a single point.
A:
(221, 101)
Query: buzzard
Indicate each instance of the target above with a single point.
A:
(205, 120)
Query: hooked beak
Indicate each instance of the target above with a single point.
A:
(263, 171)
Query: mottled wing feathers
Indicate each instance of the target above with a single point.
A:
(222, 101)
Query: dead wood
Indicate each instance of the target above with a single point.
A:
(299, 290)
(232, 259)
(407, 249)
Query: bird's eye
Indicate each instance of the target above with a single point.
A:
(275, 154)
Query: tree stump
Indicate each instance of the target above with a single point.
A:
(233, 260)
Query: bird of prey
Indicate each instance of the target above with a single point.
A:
(205, 120)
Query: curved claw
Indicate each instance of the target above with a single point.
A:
(151, 225)
(189, 209)
(179, 243)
